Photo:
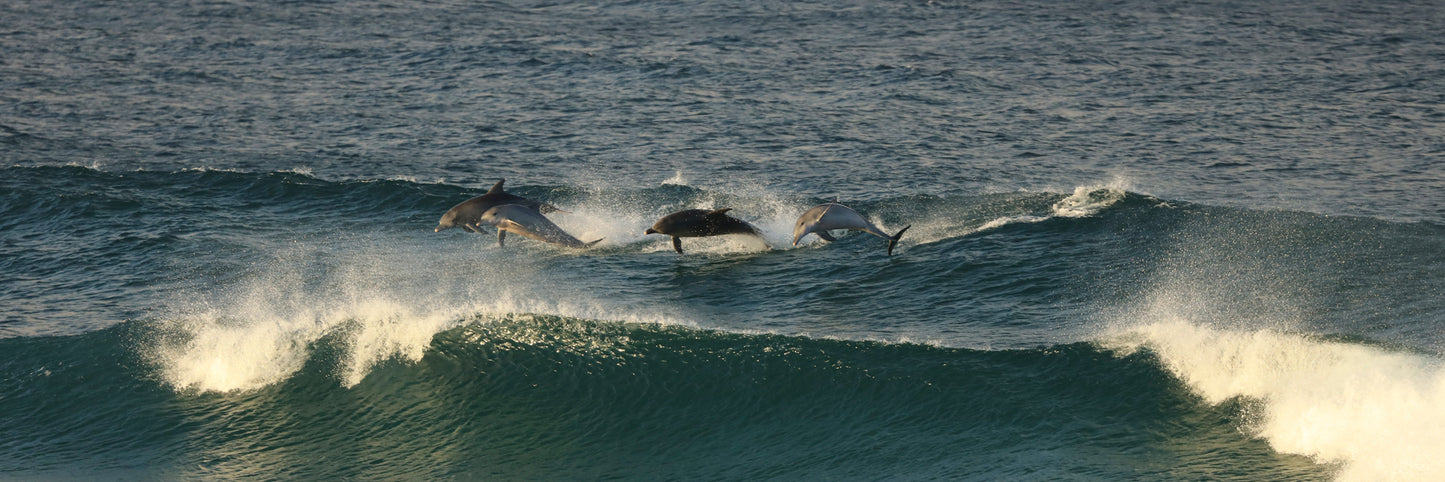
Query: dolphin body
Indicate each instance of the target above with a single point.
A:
(467, 214)
(829, 216)
(697, 223)
(526, 221)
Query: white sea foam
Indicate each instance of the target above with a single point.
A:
(1087, 201)
(262, 331)
(370, 300)
(589, 222)
(1380, 414)
(225, 352)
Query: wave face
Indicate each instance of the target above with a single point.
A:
(542, 396)
(1156, 240)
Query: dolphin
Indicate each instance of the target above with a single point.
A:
(526, 221)
(696, 223)
(466, 214)
(828, 216)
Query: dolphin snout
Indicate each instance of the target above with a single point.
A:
(650, 231)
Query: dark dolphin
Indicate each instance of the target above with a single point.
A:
(696, 223)
(467, 214)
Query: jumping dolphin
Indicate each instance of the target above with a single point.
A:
(526, 221)
(696, 223)
(466, 214)
(828, 216)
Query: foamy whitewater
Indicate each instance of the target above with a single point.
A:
(1149, 241)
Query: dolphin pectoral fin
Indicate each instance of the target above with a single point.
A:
(893, 241)
(475, 228)
(826, 237)
(496, 188)
(677, 244)
(501, 238)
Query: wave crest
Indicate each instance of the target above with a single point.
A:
(1375, 412)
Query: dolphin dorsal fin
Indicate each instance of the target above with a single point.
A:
(496, 188)
(719, 211)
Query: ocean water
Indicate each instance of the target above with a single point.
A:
(1149, 240)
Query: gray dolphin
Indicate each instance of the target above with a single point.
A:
(697, 223)
(526, 221)
(466, 214)
(828, 216)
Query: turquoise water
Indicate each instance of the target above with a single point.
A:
(1149, 241)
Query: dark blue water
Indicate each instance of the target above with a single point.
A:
(1153, 241)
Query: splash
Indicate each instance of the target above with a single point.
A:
(1375, 412)
(368, 301)
(615, 226)
(263, 331)
(1087, 201)
(677, 179)
(622, 218)
(228, 351)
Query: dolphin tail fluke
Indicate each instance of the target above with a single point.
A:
(893, 241)
(589, 244)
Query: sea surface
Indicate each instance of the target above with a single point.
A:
(1148, 240)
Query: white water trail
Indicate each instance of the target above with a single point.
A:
(1085, 201)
